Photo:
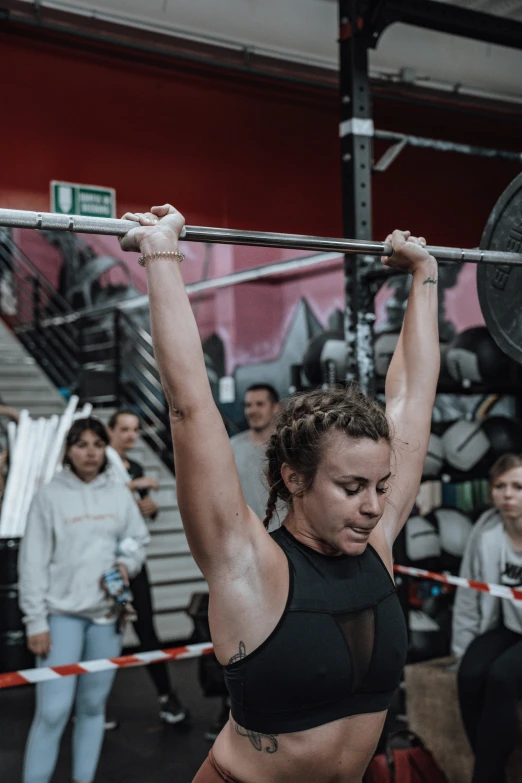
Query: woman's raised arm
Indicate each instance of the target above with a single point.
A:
(219, 525)
(411, 381)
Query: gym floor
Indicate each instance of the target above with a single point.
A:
(141, 750)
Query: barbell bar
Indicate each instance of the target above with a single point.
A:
(50, 221)
(498, 260)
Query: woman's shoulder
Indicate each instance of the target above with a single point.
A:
(56, 485)
(113, 489)
(110, 481)
(485, 532)
(489, 520)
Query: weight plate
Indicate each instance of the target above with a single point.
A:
(500, 285)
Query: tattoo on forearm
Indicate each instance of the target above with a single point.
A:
(256, 739)
(430, 280)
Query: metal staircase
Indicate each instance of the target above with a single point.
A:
(23, 384)
(104, 355)
(107, 360)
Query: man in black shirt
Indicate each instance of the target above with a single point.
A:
(123, 428)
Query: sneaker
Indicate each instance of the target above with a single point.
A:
(109, 724)
(213, 731)
(171, 710)
(215, 728)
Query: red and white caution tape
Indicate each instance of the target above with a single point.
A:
(501, 591)
(43, 674)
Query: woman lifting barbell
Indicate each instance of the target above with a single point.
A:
(305, 620)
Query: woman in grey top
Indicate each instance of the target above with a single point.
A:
(487, 631)
(80, 524)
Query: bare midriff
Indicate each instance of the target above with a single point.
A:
(337, 752)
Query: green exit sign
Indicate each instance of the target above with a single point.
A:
(69, 198)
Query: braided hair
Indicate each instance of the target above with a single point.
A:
(299, 430)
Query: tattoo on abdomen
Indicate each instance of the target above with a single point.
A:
(256, 738)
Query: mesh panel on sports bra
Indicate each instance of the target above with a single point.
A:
(359, 631)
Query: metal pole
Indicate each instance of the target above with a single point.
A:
(36, 301)
(356, 131)
(448, 146)
(229, 236)
(235, 278)
(117, 357)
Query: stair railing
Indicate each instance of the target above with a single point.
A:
(104, 355)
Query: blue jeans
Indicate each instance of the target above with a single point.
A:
(74, 639)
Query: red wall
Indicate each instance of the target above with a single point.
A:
(224, 153)
(227, 153)
(447, 197)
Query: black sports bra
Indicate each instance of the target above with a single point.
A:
(338, 649)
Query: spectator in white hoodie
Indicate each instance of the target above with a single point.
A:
(487, 631)
(79, 525)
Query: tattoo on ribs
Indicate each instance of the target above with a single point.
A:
(256, 738)
(430, 280)
(240, 655)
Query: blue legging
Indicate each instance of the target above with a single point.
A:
(73, 639)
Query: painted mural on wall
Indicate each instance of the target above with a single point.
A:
(257, 330)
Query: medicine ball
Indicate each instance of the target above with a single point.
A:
(327, 348)
(438, 602)
(434, 458)
(427, 639)
(422, 543)
(334, 357)
(454, 528)
(440, 608)
(444, 374)
(474, 357)
(465, 443)
(504, 435)
(383, 350)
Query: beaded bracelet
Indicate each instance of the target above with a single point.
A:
(166, 254)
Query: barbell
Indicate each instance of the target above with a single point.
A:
(498, 259)
(501, 303)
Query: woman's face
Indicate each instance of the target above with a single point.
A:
(348, 494)
(87, 455)
(506, 493)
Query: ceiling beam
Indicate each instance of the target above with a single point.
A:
(54, 26)
(445, 18)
